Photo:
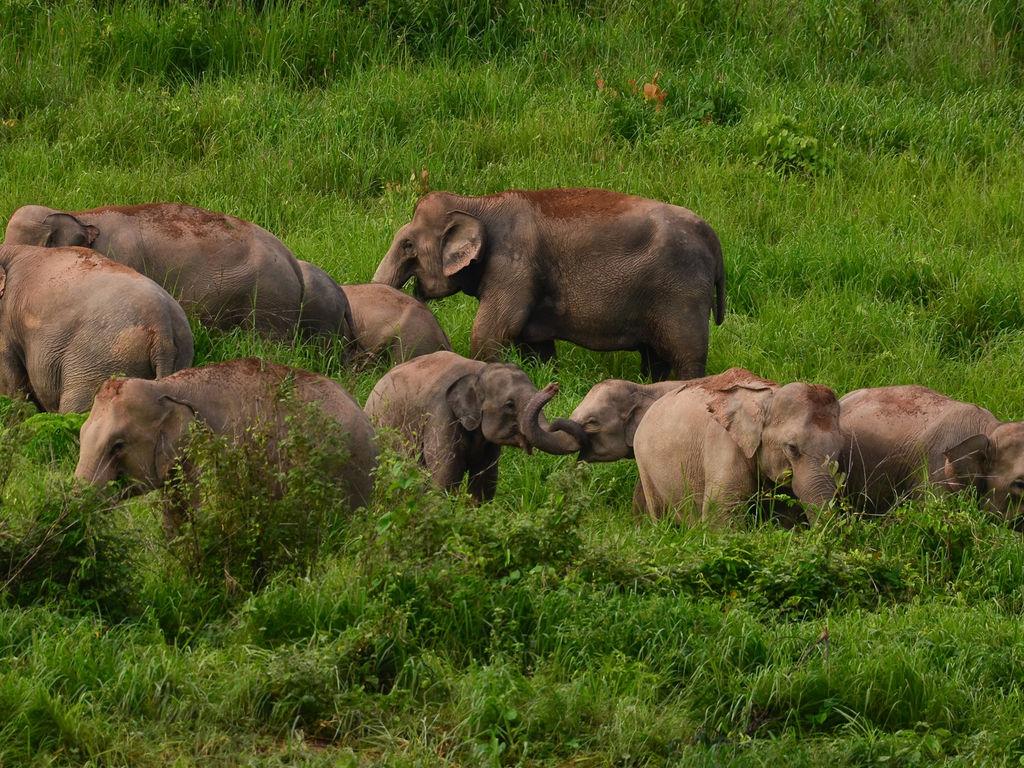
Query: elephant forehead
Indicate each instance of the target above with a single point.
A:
(1009, 438)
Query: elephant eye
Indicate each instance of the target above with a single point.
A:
(407, 245)
(592, 425)
(510, 405)
(116, 447)
(1018, 484)
(791, 450)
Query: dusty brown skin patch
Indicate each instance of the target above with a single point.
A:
(173, 218)
(111, 388)
(901, 402)
(89, 259)
(570, 203)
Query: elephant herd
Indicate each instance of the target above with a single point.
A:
(93, 317)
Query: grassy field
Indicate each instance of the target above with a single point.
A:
(863, 164)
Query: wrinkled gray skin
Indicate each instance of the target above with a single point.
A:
(601, 269)
(386, 321)
(717, 446)
(229, 271)
(70, 319)
(325, 309)
(137, 428)
(904, 438)
(455, 414)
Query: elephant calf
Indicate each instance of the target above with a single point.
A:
(598, 268)
(717, 444)
(70, 319)
(906, 437)
(456, 414)
(388, 321)
(230, 271)
(605, 421)
(137, 428)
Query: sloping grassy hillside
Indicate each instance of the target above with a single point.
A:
(863, 164)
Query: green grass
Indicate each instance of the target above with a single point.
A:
(863, 164)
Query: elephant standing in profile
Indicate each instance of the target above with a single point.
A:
(717, 445)
(905, 438)
(386, 321)
(137, 428)
(229, 271)
(456, 414)
(601, 269)
(70, 319)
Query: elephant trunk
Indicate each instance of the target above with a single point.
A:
(390, 271)
(814, 486)
(538, 433)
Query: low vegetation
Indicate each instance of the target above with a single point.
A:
(863, 163)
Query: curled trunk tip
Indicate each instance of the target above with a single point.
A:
(537, 431)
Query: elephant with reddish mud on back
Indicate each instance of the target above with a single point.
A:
(904, 439)
(601, 269)
(386, 321)
(137, 429)
(455, 415)
(70, 319)
(712, 448)
(229, 271)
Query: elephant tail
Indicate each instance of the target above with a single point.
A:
(171, 349)
(719, 281)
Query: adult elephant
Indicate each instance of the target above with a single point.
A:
(137, 429)
(903, 439)
(227, 270)
(601, 269)
(70, 319)
(455, 415)
(717, 446)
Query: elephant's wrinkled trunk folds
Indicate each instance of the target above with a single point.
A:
(814, 488)
(391, 272)
(538, 432)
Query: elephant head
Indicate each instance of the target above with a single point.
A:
(133, 432)
(38, 225)
(606, 419)
(491, 401)
(441, 248)
(790, 432)
(994, 465)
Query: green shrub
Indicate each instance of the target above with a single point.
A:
(263, 505)
(779, 145)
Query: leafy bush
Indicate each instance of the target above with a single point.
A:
(263, 505)
(67, 544)
(779, 145)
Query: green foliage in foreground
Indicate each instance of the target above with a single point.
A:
(862, 163)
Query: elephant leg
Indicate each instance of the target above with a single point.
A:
(499, 323)
(639, 500)
(444, 456)
(78, 398)
(683, 341)
(483, 473)
(13, 377)
(653, 366)
(543, 351)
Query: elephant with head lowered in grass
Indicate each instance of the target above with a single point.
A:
(601, 269)
(137, 429)
(70, 319)
(905, 438)
(455, 415)
(715, 445)
(229, 271)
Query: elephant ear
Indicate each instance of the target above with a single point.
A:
(461, 243)
(3, 282)
(177, 415)
(632, 421)
(64, 229)
(464, 401)
(967, 462)
(741, 411)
